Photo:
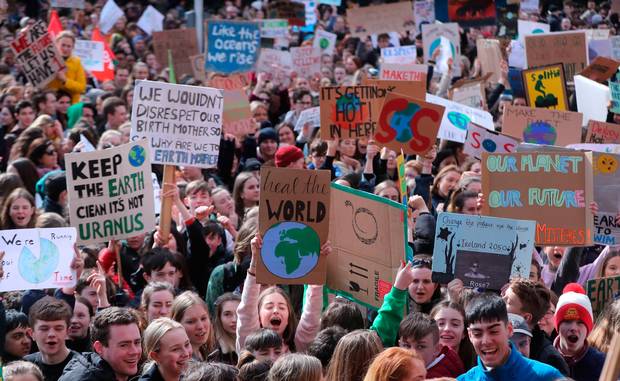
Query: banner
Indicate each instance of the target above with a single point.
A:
(183, 43)
(568, 48)
(553, 188)
(368, 235)
(108, 59)
(403, 72)
(110, 193)
(544, 87)
(447, 39)
(183, 123)
(36, 53)
(408, 124)
(232, 46)
(483, 252)
(274, 28)
(606, 178)
(399, 55)
(603, 133)
(480, 140)
(36, 259)
(457, 117)
(91, 53)
(472, 12)
(540, 126)
(601, 292)
(294, 220)
(306, 61)
(377, 19)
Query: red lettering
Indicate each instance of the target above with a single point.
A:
(394, 105)
(509, 147)
(475, 137)
(421, 143)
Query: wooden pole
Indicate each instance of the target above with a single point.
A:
(611, 369)
(165, 216)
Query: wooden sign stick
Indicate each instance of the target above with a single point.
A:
(611, 369)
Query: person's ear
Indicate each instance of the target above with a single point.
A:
(528, 318)
(154, 356)
(510, 329)
(98, 347)
(147, 277)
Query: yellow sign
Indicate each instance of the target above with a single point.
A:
(545, 87)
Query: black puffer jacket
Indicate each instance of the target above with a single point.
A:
(88, 367)
(541, 349)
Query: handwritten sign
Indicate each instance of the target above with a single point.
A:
(553, 188)
(601, 69)
(91, 53)
(306, 61)
(36, 259)
(602, 291)
(544, 87)
(294, 222)
(541, 126)
(480, 140)
(232, 46)
(483, 252)
(457, 117)
(277, 63)
(182, 43)
(110, 193)
(568, 48)
(603, 133)
(471, 94)
(423, 13)
(607, 196)
(408, 124)
(615, 47)
(403, 72)
(198, 66)
(614, 90)
(36, 53)
(490, 55)
(446, 39)
(183, 123)
(399, 54)
(310, 116)
(384, 18)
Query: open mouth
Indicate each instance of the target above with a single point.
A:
(573, 339)
(275, 322)
(447, 337)
(489, 353)
(557, 256)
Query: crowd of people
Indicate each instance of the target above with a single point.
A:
(188, 306)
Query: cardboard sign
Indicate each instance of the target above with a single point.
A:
(306, 61)
(36, 53)
(408, 124)
(384, 18)
(483, 252)
(232, 46)
(423, 13)
(402, 72)
(602, 291)
(614, 90)
(237, 116)
(529, 6)
(414, 89)
(529, 28)
(292, 11)
(278, 63)
(569, 48)
(472, 12)
(91, 53)
(544, 87)
(183, 123)
(78, 4)
(457, 117)
(183, 44)
(110, 193)
(294, 216)
(368, 237)
(447, 39)
(607, 196)
(601, 69)
(110, 13)
(310, 116)
(480, 140)
(325, 41)
(399, 55)
(553, 188)
(490, 56)
(605, 148)
(36, 259)
(274, 28)
(151, 20)
(603, 133)
(540, 126)
(198, 66)
(470, 94)
(592, 99)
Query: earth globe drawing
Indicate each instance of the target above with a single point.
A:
(36, 270)
(136, 156)
(290, 249)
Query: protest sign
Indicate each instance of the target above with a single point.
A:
(294, 220)
(182, 43)
(457, 117)
(274, 28)
(151, 20)
(480, 140)
(183, 123)
(545, 87)
(198, 66)
(603, 133)
(368, 240)
(310, 13)
(36, 259)
(602, 291)
(306, 61)
(414, 89)
(598, 48)
(506, 20)
(91, 53)
(108, 59)
(606, 178)
(515, 78)
(483, 252)
(377, 19)
(423, 13)
(292, 11)
(310, 116)
(330, 2)
(615, 47)
(540, 126)
(597, 34)
(278, 64)
(445, 39)
(236, 115)
(325, 41)
(110, 193)
(110, 13)
(402, 72)
(472, 12)
(490, 56)
(601, 69)
(36, 53)
(232, 46)
(79, 4)
(408, 124)
(399, 54)
(592, 99)
(528, 28)
(470, 93)
(569, 48)
(605, 148)
(516, 57)
(614, 93)
(553, 188)
(529, 6)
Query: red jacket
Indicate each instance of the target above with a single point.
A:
(447, 364)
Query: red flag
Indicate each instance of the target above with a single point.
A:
(55, 25)
(108, 57)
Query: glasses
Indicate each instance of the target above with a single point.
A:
(421, 262)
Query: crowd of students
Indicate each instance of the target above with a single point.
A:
(188, 306)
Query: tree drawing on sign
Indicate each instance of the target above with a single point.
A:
(449, 255)
(512, 253)
(545, 100)
(366, 237)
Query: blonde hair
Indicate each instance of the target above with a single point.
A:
(296, 367)
(11, 371)
(148, 292)
(42, 121)
(67, 34)
(392, 364)
(184, 302)
(156, 330)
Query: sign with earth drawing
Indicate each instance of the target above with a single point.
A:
(457, 117)
(294, 223)
(541, 126)
(544, 87)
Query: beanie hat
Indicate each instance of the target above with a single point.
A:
(55, 185)
(574, 305)
(107, 258)
(287, 155)
(267, 134)
(424, 234)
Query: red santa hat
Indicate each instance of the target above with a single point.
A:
(573, 304)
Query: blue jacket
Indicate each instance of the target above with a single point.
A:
(516, 368)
